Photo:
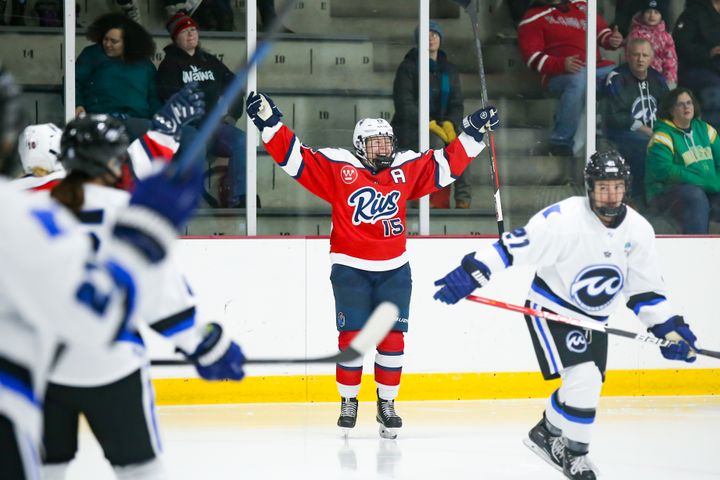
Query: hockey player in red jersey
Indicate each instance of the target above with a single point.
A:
(369, 190)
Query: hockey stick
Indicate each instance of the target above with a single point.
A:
(185, 162)
(375, 329)
(642, 337)
(471, 7)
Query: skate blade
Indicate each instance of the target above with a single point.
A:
(345, 432)
(389, 433)
(541, 453)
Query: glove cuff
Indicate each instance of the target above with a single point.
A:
(149, 233)
(478, 271)
(213, 346)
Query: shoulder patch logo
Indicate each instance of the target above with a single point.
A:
(348, 174)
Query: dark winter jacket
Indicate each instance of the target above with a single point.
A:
(446, 100)
(179, 67)
(696, 33)
(109, 85)
(629, 102)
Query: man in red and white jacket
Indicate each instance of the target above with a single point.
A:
(552, 42)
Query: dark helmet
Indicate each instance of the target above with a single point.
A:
(92, 143)
(609, 165)
(11, 117)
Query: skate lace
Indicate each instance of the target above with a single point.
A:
(580, 464)
(348, 409)
(388, 408)
(557, 448)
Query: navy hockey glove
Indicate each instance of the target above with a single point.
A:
(676, 330)
(477, 123)
(262, 110)
(217, 357)
(180, 109)
(462, 281)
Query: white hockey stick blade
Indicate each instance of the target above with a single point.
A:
(375, 329)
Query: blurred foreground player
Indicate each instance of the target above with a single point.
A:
(368, 191)
(111, 387)
(587, 251)
(74, 297)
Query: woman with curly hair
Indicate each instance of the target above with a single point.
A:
(115, 75)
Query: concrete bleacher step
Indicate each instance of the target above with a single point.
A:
(497, 57)
(281, 221)
(523, 169)
(394, 9)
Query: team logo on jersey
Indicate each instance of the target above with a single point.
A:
(596, 286)
(372, 206)
(575, 341)
(341, 319)
(348, 174)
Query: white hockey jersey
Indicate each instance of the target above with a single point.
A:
(171, 311)
(583, 266)
(53, 290)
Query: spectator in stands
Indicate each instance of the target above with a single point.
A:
(697, 39)
(446, 110)
(186, 61)
(208, 14)
(682, 174)
(625, 10)
(114, 75)
(632, 94)
(649, 24)
(552, 42)
(17, 12)
(130, 8)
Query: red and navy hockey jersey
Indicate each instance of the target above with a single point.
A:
(368, 209)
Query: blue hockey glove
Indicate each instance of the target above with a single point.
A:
(180, 109)
(167, 194)
(173, 196)
(262, 110)
(462, 281)
(676, 330)
(477, 123)
(217, 357)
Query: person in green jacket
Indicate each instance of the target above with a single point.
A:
(115, 76)
(682, 171)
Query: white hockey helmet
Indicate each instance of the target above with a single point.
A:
(39, 147)
(368, 128)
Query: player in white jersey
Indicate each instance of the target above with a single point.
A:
(111, 387)
(55, 290)
(587, 251)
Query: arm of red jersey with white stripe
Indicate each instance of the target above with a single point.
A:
(309, 167)
(152, 145)
(531, 41)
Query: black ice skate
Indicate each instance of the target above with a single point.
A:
(348, 414)
(389, 421)
(578, 466)
(547, 446)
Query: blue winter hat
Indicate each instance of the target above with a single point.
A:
(434, 27)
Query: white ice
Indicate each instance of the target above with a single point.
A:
(634, 438)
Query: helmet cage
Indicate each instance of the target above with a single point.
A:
(366, 129)
(609, 165)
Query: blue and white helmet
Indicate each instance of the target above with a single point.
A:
(368, 128)
(39, 147)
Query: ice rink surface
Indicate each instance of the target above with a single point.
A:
(634, 438)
